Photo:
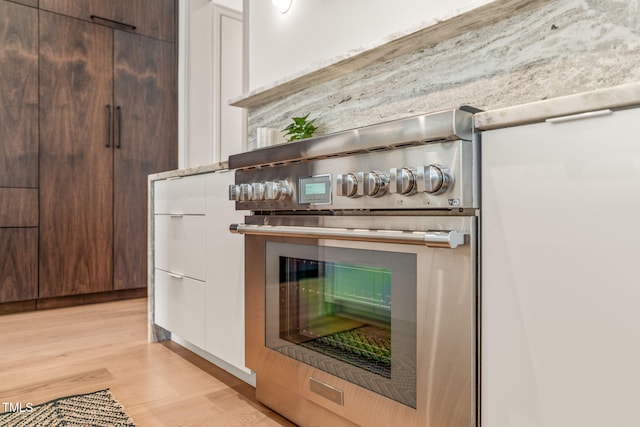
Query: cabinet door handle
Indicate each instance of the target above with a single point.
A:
(111, 23)
(108, 125)
(175, 276)
(119, 114)
(579, 116)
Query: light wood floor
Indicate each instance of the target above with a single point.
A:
(53, 353)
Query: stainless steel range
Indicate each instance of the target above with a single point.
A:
(360, 273)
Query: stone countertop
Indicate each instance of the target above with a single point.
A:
(473, 15)
(615, 97)
(213, 167)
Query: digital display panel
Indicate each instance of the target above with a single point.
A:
(314, 189)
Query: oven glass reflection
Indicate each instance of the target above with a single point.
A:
(349, 312)
(343, 311)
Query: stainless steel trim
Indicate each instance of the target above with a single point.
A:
(438, 239)
(448, 125)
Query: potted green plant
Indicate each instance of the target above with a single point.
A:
(301, 128)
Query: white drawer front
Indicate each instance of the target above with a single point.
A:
(180, 244)
(183, 195)
(180, 306)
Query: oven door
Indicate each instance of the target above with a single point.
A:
(358, 316)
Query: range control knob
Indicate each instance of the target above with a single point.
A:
(246, 193)
(434, 179)
(276, 190)
(234, 192)
(372, 183)
(347, 185)
(257, 191)
(402, 181)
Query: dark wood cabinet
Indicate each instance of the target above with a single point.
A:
(18, 152)
(18, 244)
(18, 207)
(87, 110)
(32, 3)
(108, 118)
(18, 264)
(152, 18)
(18, 95)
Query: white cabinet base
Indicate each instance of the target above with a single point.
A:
(244, 374)
(198, 269)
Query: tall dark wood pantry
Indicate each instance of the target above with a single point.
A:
(107, 118)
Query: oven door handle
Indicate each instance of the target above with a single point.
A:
(438, 239)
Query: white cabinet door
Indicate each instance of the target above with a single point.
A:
(213, 70)
(229, 121)
(561, 273)
(180, 306)
(225, 274)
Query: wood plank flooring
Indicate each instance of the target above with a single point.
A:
(53, 353)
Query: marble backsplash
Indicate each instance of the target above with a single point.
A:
(559, 48)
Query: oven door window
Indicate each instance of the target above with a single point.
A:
(349, 312)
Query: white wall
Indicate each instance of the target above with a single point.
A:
(314, 31)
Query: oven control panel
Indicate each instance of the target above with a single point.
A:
(431, 176)
(260, 191)
(432, 179)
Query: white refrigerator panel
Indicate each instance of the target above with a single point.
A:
(560, 273)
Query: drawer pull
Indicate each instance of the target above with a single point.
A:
(111, 23)
(175, 215)
(175, 276)
(579, 116)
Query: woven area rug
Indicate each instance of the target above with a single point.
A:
(97, 409)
